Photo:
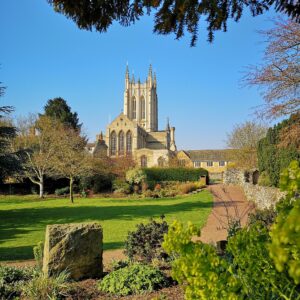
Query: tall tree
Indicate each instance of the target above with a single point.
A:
(244, 140)
(59, 110)
(279, 75)
(9, 159)
(71, 160)
(172, 16)
(37, 139)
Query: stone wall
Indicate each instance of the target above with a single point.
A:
(262, 196)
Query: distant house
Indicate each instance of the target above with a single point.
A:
(215, 161)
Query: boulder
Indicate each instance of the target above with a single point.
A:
(75, 248)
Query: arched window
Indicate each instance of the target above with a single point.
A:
(113, 143)
(144, 161)
(143, 108)
(128, 142)
(133, 108)
(121, 143)
(161, 162)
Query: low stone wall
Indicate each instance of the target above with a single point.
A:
(262, 196)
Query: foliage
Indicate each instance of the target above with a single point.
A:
(244, 139)
(197, 265)
(37, 139)
(12, 279)
(246, 271)
(171, 16)
(38, 252)
(121, 186)
(175, 174)
(136, 176)
(97, 183)
(119, 264)
(266, 217)
(188, 187)
(278, 76)
(285, 233)
(264, 179)
(9, 159)
(62, 191)
(59, 110)
(42, 287)
(272, 159)
(133, 279)
(144, 244)
(71, 160)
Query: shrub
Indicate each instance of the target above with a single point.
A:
(285, 233)
(136, 176)
(42, 287)
(264, 179)
(119, 264)
(12, 279)
(145, 243)
(38, 254)
(175, 174)
(97, 182)
(187, 188)
(272, 158)
(246, 271)
(62, 191)
(121, 186)
(133, 279)
(264, 216)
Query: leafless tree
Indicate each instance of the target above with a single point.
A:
(36, 138)
(244, 139)
(279, 75)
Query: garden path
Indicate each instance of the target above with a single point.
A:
(229, 203)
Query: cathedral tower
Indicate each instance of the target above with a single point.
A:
(140, 101)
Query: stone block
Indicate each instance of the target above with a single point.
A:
(75, 248)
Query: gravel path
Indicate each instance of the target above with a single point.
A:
(229, 203)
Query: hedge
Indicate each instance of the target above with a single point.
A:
(175, 174)
(272, 159)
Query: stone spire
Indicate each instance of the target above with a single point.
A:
(154, 79)
(127, 76)
(150, 79)
(132, 78)
(168, 125)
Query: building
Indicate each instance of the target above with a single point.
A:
(135, 131)
(215, 161)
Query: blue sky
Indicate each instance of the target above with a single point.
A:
(44, 55)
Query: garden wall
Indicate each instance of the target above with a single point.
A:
(262, 196)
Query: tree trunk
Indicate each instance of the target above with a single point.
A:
(41, 184)
(71, 190)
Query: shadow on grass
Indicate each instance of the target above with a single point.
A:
(16, 253)
(22, 222)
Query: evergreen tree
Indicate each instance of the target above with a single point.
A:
(171, 16)
(59, 110)
(9, 160)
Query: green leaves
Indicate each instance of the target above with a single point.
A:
(133, 279)
(285, 233)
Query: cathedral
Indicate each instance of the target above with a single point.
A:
(135, 131)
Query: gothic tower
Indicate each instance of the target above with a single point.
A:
(140, 101)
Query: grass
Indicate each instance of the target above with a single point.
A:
(23, 219)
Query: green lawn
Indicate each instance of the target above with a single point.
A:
(23, 219)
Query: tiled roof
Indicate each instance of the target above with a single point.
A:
(210, 155)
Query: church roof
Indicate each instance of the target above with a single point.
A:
(210, 155)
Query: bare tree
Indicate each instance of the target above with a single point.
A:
(279, 75)
(71, 160)
(36, 139)
(244, 139)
